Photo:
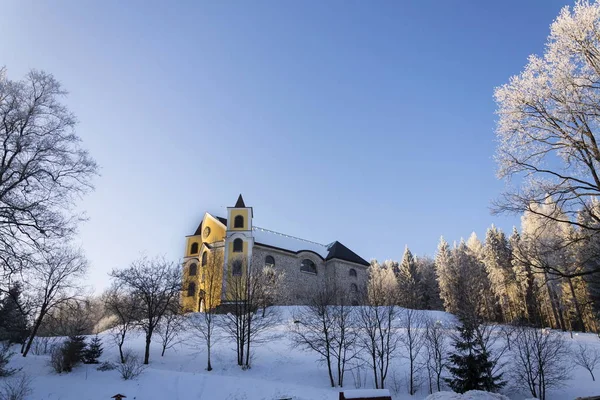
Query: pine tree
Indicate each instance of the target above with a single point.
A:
(446, 276)
(409, 282)
(429, 284)
(498, 264)
(13, 322)
(470, 363)
(93, 351)
(487, 307)
(72, 352)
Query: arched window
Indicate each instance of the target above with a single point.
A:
(238, 245)
(269, 261)
(308, 266)
(204, 259)
(353, 288)
(191, 289)
(238, 221)
(236, 268)
(193, 269)
(194, 248)
(352, 272)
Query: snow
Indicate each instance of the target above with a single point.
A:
(275, 239)
(470, 395)
(278, 371)
(361, 394)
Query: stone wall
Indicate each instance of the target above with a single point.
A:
(297, 285)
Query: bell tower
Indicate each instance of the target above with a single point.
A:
(238, 241)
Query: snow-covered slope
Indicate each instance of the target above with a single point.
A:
(277, 372)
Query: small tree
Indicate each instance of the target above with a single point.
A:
(250, 316)
(587, 357)
(413, 339)
(203, 326)
(54, 282)
(170, 328)
(327, 326)
(124, 309)
(540, 360)
(470, 364)
(93, 351)
(378, 322)
(13, 316)
(436, 343)
(154, 284)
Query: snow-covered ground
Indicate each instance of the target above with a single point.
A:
(277, 372)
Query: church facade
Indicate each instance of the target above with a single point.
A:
(225, 247)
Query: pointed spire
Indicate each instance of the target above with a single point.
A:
(240, 202)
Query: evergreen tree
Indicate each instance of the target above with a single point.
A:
(447, 277)
(13, 321)
(72, 352)
(487, 307)
(409, 282)
(498, 264)
(470, 364)
(429, 284)
(93, 351)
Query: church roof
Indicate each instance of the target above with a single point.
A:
(240, 202)
(334, 250)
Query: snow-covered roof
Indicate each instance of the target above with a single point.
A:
(287, 242)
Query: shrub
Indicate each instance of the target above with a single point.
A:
(17, 388)
(106, 366)
(132, 367)
(93, 351)
(5, 356)
(64, 358)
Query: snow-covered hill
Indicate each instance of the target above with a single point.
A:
(278, 371)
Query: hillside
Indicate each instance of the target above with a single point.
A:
(278, 371)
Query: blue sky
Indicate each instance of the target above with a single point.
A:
(367, 122)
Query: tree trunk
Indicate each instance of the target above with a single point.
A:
(208, 366)
(577, 307)
(36, 326)
(147, 352)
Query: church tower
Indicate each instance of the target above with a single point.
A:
(238, 242)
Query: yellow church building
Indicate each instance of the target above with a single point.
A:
(222, 247)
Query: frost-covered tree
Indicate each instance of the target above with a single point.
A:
(548, 122)
(498, 264)
(487, 306)
(429, 284)
(447, 276)
(409, 282)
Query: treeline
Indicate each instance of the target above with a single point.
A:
(544, 275)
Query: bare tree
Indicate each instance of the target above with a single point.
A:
(54, 281)
(413, 339)
(124, 309)
(155, 284)
(43, 168)
(327, 326)
(170, 327)
(540, 360)
(204, 325)
(378, 322)
(250, 317)
(436, 344)
(587, 357)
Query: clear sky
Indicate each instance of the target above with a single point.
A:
(367, 122)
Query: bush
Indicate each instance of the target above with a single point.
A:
(106, 366)
(44, 345)
(17, 388)
(93, 351)
(132, 367)
(5, 356)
